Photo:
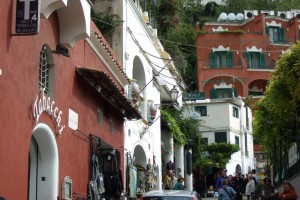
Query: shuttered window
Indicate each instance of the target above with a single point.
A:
(223, 93)
(221, 59)
(255, 60)
(276, 34)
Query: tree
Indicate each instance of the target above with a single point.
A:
(204, 155)
(278, 116)
(168, 15)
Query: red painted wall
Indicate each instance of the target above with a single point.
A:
(19, 64)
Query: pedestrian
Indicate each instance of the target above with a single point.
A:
(288, 191)
(268, 192)
(245, 181)
(230, 179)
(237, 182)
(250, 187)
(220, 179)
(179, 184)
(226, 192)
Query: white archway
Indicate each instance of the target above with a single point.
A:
(139, 155)
(43, 164)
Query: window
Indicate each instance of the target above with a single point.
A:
(220, 137)
(46, 71)
(255, 60)
(237, 141)
(223, 93)
(246, 145)
(202, 110)
(276, 34)
(235, 112)
(221, 59)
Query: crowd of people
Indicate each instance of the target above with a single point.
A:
(247, 187)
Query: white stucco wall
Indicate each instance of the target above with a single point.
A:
(140, 42)
(220, 119)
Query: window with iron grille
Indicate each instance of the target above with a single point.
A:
(220, 137)
(46, 71)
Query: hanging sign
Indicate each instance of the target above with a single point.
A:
(27, 16)
(43, 103)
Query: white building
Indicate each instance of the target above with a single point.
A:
(146, 63)
(227, 120)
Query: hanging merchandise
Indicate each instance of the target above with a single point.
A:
(112, 175)
(96, 183)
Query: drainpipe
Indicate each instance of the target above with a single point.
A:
(242, 139)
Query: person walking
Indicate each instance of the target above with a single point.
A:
(226, 192)
(220, 179)
(288, 192)
(268, 191)
(237, 182)
(250, 187)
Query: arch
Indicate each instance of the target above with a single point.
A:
(43, 164)
(138, 73)
(224, 81)
(139, 155)
(48, 7)
(71, 31)
(257, 87)
(223, 75)
(238, 168)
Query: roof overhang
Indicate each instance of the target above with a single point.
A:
(109, 91)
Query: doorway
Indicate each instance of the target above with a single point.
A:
(43, 164)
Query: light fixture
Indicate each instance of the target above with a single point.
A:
(174, 94)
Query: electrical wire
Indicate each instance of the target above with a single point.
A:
(189, 45)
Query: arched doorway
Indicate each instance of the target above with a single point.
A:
(238, 168)
(43, 164)
(140, 163)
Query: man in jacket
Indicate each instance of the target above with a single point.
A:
(220, 179)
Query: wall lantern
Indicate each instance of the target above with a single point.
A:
(174, 94)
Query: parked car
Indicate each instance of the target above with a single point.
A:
(171, 195)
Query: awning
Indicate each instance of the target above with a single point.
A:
(108, 89)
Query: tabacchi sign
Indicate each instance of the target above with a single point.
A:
(27, 16)
(45, 104)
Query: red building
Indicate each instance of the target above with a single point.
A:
(237, 57)
(62, 102)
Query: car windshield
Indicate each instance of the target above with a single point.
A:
(167, 198)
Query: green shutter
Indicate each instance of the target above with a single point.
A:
(262, 60)
(229, 59)
(213, 60)
(267, 30)
(247, 56)
(213, 94)
(281, 34)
